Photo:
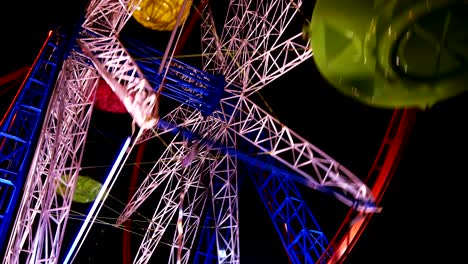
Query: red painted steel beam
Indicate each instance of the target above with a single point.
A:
(383, 168)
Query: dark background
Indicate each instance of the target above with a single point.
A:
(423, 209)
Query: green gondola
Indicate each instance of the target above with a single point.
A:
(390, 53)
(86, 189)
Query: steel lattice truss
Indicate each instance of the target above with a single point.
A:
(199, 169)
(40, 223)
(256, 45)
(21, 129)
(239, 57)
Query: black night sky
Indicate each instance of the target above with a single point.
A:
(423, 208)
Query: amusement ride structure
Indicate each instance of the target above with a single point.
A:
(214, 127)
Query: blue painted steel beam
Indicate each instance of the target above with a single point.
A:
(21, 129)
(183, 83)
(300, 233)
(206, 252)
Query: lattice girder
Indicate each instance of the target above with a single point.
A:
(43, 212)
(310, 166)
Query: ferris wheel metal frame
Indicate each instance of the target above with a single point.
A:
(204, 142)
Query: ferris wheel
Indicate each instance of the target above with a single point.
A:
(214, 127)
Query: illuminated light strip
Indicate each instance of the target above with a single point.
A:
(110, 180)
